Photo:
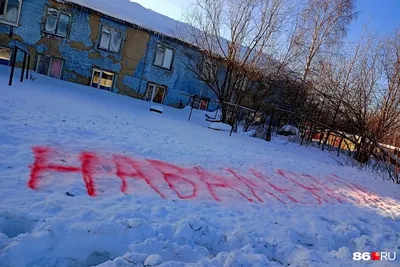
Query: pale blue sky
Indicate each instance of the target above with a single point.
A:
(382, 16)
(170, 8)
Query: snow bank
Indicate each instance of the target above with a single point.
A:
(47, 227)
(290, 129)
(220, 126)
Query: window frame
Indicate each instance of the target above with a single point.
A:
(100, 77)
(111, 30)
(59, 12)
(7, 22)
(209, 63)
(172, 58)
(153, 92)
(48, 69)
(201, 99)
(207, 101)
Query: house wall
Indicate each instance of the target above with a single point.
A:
(79, 49)
(178, 80)
(133, 66)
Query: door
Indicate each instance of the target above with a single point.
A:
(155, 93)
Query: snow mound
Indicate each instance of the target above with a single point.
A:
(220, 126)
(290, 129)
(157, 109)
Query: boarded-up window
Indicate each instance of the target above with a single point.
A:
(57, 22)
(5, 56)
(55, 68)
(110, 39)
(164, 57)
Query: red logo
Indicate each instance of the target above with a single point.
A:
(376, 256)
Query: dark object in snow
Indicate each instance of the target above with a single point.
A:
(213, 120)
(69, 194)
(219, 126)
(288, 130)
(157, 109)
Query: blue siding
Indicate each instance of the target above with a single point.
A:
(80, 62)
(177, 80)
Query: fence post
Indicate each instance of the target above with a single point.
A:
(340, 146)
(397, 167)
(234, 123)
(27, 67)
(305, 132)
(14, 59)
(216, 112)
(310, 133)
(191, 109)
(23, 69)
(269, 132)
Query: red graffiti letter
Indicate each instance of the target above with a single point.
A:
(213, 181)
(310, 188)
(42, 164)
(276, 188)
(173, 175)
(125, 165)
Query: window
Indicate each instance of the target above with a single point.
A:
(110, 39)
(204, 104)
(102, 80)
(5, 56)
(9, 11)
(155, 93)
(209, 70)
(49, 66)
(201, 103)
(57, 22)
(164, 57)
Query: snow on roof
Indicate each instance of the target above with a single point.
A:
(134, 13)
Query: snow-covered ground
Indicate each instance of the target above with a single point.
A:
(310, 218)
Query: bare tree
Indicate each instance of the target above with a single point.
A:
(229, 40)
(361, 88)
(324, 24)
(385, 119)
(335, 79)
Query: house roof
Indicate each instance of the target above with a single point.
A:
(133, 13)
(147, 19)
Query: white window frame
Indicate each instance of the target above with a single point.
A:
(4, 21)
(59, 12)
(163, 59)
(153, 91)
(100, 77)
(48, 69)
(109, 45)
